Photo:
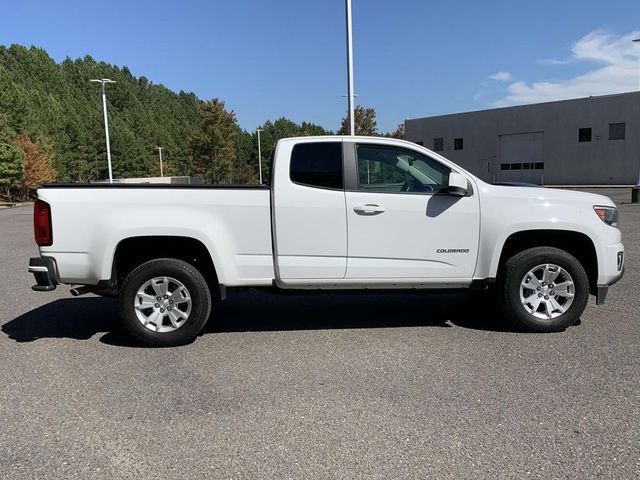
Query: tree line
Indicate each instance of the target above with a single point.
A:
(51, 127)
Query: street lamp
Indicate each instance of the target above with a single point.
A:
(106, 121)
(160, 152)
(352, 128)
(635, 191)
(259, 154)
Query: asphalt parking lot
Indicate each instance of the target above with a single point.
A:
(358, 386)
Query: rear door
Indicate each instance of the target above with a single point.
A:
(309, 212)
(402, 223)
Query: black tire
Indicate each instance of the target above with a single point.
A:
(514, 272)
(200, 306)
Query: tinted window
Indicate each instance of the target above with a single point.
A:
(438, 144)
(458, 143)
(616, 131)
(391, 169)
(317, 164)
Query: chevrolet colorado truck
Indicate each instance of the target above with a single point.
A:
(340, 213)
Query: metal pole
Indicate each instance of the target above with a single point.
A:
(352, 129)
(106, 122)
(160, 152)
(635, 191)
(259, 154)
(637, 40)
(106, 132)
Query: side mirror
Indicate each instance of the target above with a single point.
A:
(458, 184)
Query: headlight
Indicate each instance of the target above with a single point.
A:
(608, 215)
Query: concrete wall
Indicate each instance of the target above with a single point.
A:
(567, 161)
(176, 180)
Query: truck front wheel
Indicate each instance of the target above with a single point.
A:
(165, 302)
(543, 289)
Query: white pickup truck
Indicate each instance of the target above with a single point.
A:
(340, 213)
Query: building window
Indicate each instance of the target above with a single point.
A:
(522, 166)
(458, 143)
(421, 143)
(584, 134)
(616, 131)
(438, 144)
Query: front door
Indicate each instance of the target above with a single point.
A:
(402, 225)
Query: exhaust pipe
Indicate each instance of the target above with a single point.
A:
(76, 292)
(103, 291)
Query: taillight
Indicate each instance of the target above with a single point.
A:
(42, 223)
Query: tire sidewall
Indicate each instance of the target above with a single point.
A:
(190, 277)
(519, 265)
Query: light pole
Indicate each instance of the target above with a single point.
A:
(106, 121)
(160, 152)
(637, 40)
(259, 154)
(635, 191)
(352, 129)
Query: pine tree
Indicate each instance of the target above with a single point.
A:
(11, 159)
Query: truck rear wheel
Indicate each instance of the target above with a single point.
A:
(543, 289)
(165, 302)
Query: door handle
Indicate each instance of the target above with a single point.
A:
(368, 209)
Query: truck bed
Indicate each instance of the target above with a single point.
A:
(89, 221)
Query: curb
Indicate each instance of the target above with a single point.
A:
(15, 205)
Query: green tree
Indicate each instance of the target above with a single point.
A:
(42, 97)
(11, 159)
(365, 122)
(213, 143)
(399, 132)
(246, 166)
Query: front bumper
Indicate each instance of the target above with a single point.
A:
(44, 270)
(602, 290)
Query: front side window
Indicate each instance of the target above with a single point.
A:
(393, 170)
(317, 164)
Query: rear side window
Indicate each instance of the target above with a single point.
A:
(317, 164)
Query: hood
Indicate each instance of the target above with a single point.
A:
(544, 194)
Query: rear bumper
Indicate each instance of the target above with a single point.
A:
(45, 272)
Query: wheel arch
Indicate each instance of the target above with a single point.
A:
(575, 243)
(131, 252)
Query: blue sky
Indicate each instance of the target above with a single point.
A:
(413, 58)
